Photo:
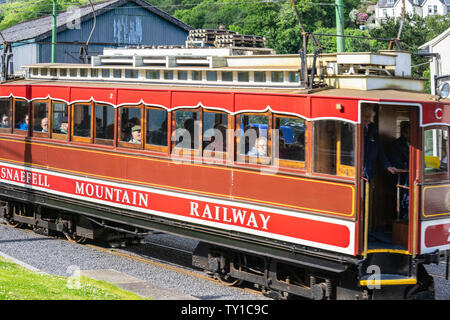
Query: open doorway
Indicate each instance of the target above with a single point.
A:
(386, 150)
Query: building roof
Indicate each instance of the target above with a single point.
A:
(435, 40)
(41, 28)
(392, 3)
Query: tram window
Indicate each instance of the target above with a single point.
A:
(40, 117)
(94, 73)
(82, 120)
(73, 72)
(168, 75)
(53, 72)
(105, 73)
(187, 125)
(243, 76)
(215, 125)
(60, 118)
(5, 113)
(21, 120)
(334, 147)
(44, 71)
(260, 76)
(211, 75)
(130, 125)
(104, 124)
(277, 76)
(197, 75)
(83, 73)
(35, 71)
(293, 76)
(291, 138)
(63, 72)
(156, 127)
(182, 75)
(131, 73)
(436, 151)
(117, 73)
(227, 76)
(254, 135)
(152, 74)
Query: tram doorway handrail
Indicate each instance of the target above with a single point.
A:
(366, 188)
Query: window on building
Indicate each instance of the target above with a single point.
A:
(5, 114)
(104, 124)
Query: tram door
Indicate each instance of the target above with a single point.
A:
(387, 196)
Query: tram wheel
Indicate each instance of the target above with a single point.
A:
(13, 224)
(74, 238)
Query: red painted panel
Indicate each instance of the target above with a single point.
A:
(16, 90)
(283, 103)
(436, 113)
(56, 92)
(324, 107)
(298, 193)
(437, 235)
(107, 95)
(157, 97)
(223, 100)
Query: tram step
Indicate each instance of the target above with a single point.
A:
(386, 280)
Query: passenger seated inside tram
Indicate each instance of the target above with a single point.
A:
(5, 121)
(44, 124)
(218, 140)
(260, 148)
(135, 134)
(24, 124)
(297, 149)
(64, 126)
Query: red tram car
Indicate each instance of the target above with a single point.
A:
(226, 146)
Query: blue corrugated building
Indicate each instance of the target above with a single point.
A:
(118, 23)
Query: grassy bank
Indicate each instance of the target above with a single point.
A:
(18, 283)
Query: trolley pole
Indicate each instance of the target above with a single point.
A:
(339, 4)
(54, 33)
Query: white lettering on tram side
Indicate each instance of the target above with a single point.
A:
(25, 177)
(111, 194)
(236, 216)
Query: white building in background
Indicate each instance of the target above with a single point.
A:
(385, 9)
(440, 63)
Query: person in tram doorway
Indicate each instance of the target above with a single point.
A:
(373, 150)
(399, 156)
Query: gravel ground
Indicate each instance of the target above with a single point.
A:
(59, 257)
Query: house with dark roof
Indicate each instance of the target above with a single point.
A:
(385, 9)
(118, 23)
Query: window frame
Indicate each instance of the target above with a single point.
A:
(101, 141)
(17, 130)
(126, 144)
(187, 151)
(288, 163)
(152, 147)
(219, 155)
(40, 134)
(55, 135)
(72, 123)
(244, 158)
(11, 123)
(435, 176)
